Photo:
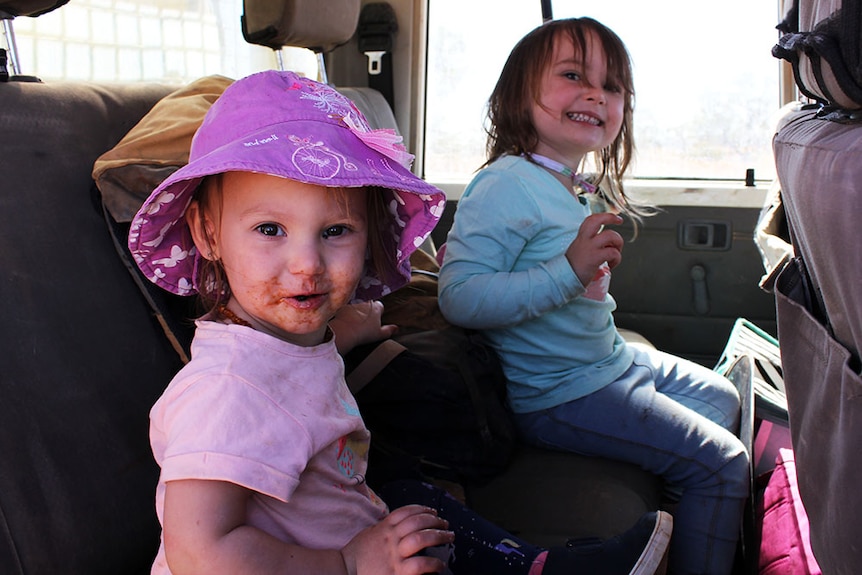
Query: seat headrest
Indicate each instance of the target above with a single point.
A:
(32, 8)
(823, 41)
(314, 24)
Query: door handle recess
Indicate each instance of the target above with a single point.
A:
(712, 235)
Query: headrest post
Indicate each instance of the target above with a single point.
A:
(321, 68)
(12, 48)
(279, 59)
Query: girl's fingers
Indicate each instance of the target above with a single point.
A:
(613, 257)
(610, 239)
(416, 541)
(594, 223)
(419, 527)
(397, 516)
(419, 518)
(608, 246)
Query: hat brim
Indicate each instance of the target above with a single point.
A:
(308, 151)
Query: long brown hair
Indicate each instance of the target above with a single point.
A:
(510, 126)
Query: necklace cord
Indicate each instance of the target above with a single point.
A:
(578, 181)
(229, 315)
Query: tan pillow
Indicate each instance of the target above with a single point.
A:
(156, 147)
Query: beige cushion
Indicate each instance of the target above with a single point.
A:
(156, 147)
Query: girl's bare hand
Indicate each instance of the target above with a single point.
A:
(359, 323)
(595, 245)
(391, 546)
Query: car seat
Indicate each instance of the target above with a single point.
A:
(82, 360)
(818, 154)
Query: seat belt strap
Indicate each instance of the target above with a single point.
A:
(376, 31)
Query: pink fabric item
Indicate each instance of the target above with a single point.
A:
(284, 125)
(785, 546)
(599, 286)
(771, 437)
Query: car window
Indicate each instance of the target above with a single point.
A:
(707, 86)
(129, 40)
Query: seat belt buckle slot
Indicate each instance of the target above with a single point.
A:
(375, 62)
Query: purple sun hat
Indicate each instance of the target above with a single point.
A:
(282, 124)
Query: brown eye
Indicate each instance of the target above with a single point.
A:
(334, 231)
(269, 229)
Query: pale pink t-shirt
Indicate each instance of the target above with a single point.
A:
(275, 418)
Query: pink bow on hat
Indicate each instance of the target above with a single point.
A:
(384, 140)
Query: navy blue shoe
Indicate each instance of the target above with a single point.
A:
(638, 551)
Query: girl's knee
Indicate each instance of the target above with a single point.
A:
(725, 398)
(736, 471)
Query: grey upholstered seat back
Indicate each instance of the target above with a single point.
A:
(818, 153)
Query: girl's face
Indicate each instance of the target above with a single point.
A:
(293, 253)
(581, 109)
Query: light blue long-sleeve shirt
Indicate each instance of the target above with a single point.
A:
(505, 273)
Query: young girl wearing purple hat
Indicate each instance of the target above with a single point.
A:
(289, 210)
